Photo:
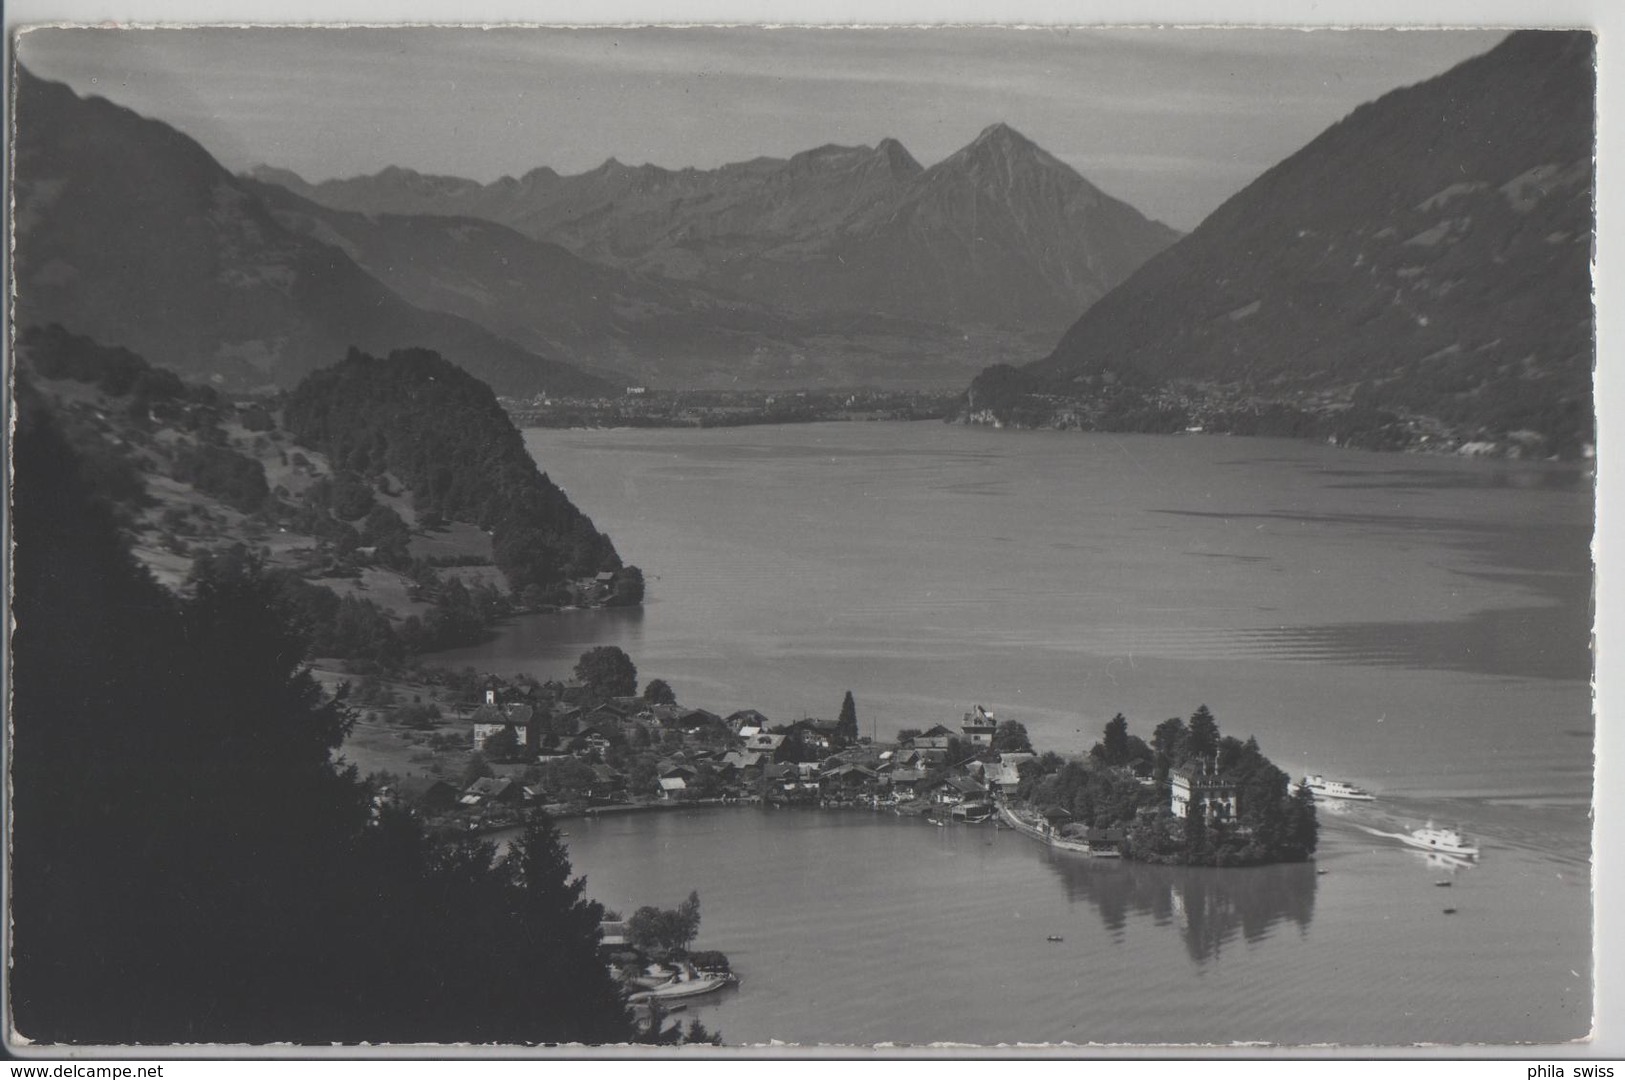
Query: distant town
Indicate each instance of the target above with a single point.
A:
(641, 406)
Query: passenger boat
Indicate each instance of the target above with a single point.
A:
(1336, 789)
(1447, 841)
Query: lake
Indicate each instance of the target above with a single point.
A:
(1419, 626)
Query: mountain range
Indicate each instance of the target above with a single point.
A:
(838, 266)
(1429, 254)
(1000, 233)
(837, 249)
(130, 232)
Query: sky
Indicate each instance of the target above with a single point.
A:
(1172, 121)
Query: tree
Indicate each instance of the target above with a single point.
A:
(659, 692)
(1115, 740)
(606, 671)
(502, 745)
(1011, 737)
(1202, 737)
(908, 734)
(477, 768)
(846, 727)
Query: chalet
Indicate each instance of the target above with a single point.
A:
(672, 787)
(905, 758)
(607, 784)
(948, 790)
(764, 742)
(846, 780)
(1200, 781)
(492, 791)
(741, 759)
(979, 727)
(427, 793)
(698, 718)
(935, 739)
(812, 736)
(745, 718)
(905, 782)
(1004, 776)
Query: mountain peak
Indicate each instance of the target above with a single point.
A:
(1003, 136)
(897, 157)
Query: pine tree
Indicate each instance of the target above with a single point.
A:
(846, 728)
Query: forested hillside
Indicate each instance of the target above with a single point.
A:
(441, 432)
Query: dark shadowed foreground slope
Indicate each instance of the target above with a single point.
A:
(1427, 258)
(189, 865)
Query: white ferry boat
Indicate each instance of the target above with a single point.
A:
(1446, 841)
(1337, 789)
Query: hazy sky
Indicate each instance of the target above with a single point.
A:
(1173, 121)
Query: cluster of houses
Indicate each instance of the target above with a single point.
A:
(571, 753)
(622, 751)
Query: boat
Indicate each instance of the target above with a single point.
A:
(1447, 841)
(1336, 789)
(1055, 937)
(971, 812)
(685, 985)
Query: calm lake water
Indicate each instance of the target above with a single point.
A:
(1419, 626)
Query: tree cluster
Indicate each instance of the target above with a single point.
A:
(664, 932)
(1274, 823)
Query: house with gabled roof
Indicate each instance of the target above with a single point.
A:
(978, 727)
(746, 718)
(492, 790)
(427, 793)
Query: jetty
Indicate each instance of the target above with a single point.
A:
(1045, 835)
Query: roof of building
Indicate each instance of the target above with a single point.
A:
(417, 788)
(673, 783)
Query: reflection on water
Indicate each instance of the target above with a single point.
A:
(1450, 864)
(1209, 906)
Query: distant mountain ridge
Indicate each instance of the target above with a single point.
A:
(1426, 258)
(1000, 234)
(128, 231)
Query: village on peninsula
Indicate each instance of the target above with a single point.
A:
(493, 751)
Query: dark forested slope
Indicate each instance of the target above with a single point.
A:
(441, 432)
